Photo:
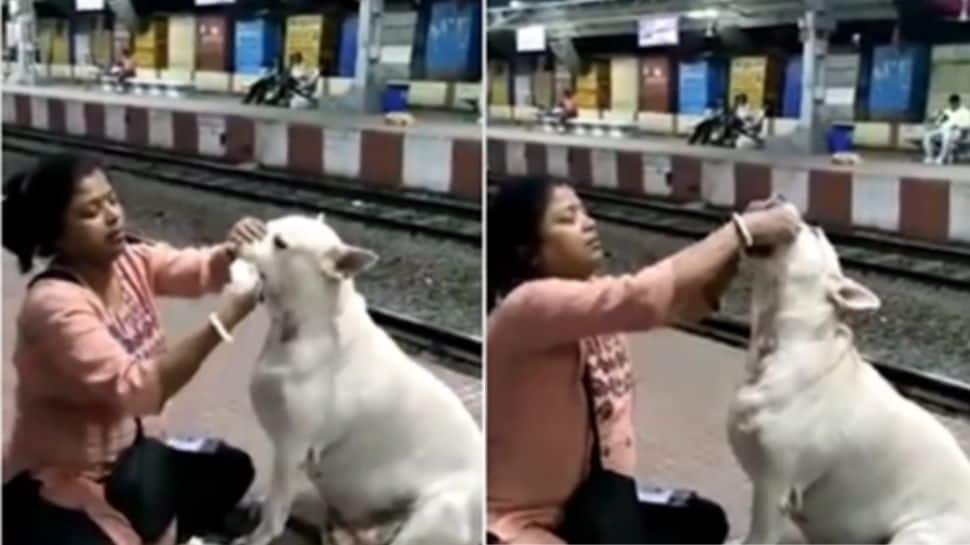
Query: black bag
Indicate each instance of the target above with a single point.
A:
(605, 507)
(142, 486)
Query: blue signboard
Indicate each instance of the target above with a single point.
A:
(792, 99)
(453, 46)
(701, 84)
(897, 88)
(257, 45)
(348, 48)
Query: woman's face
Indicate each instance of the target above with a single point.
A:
(94, 222)
(570, 244)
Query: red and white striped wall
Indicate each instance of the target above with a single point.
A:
(925, 208)
(392, 159)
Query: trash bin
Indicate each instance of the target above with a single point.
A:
(839, 137)
(395, 98)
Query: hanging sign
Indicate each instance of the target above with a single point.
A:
(530, 38)
(657, 30)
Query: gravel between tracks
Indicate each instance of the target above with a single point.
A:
(918, 326)
(432, 280)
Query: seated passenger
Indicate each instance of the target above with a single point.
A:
(949, 125)
(124, 69)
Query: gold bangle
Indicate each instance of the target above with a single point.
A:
(220, 328)
(746, 238)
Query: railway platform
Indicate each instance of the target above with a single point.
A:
(684, 385)
(885, 193)
(216, 401)
(437, 153)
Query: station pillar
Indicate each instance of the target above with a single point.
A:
(22, 15)
(811, 136)
(368, 80)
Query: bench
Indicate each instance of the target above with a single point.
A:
(961, 147)
(146, 86)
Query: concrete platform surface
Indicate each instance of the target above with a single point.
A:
(684, 385)
(874, 163)
(441, 124)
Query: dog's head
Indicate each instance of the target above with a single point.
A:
(804, 277)
(299, 251)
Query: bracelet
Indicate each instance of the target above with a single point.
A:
(220, 328)
(742, 230)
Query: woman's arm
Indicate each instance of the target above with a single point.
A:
(554, 311)
(549, 312)
(704, 270)
(91, 367)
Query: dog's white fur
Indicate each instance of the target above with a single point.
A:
(385, 442)
(827, 442)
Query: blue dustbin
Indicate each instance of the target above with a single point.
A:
(839, 137)
(394, 99)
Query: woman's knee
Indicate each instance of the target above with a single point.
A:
(238, 466)
(711, 521)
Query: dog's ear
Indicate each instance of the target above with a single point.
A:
(851, 296)
(321, 218)
(349, 261)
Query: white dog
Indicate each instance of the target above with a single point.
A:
(826, 441)
(384, 441)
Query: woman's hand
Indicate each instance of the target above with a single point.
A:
(771, 222)
(245, 231)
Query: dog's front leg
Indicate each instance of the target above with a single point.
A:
(768, 508)
(276, 510)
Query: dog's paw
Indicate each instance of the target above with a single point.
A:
(260, 537)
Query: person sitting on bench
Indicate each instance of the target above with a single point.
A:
(124, 69)
(567, 106)
(950, 125)
(702, 132)
(260, 88)
(299, 79)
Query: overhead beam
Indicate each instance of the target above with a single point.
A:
(608, 18)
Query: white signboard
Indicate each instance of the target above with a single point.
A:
(530, 38)
(657, 30)
(90, 5)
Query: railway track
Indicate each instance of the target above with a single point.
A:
(462, 352)
(933, 264)
(412, 211)
(926, 388)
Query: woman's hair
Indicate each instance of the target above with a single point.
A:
(514, 239)
(35, 202)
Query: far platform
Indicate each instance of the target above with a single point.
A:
(450, 124)
(874, 161)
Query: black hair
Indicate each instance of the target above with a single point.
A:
(34, 204)
(954, 98)
(514, 219)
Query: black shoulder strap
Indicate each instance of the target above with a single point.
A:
(596, 462)
(56, 274)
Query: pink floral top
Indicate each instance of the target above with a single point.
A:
(541, 340)
(85, 371)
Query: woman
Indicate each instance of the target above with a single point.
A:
(91, 357)
(553, 334)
